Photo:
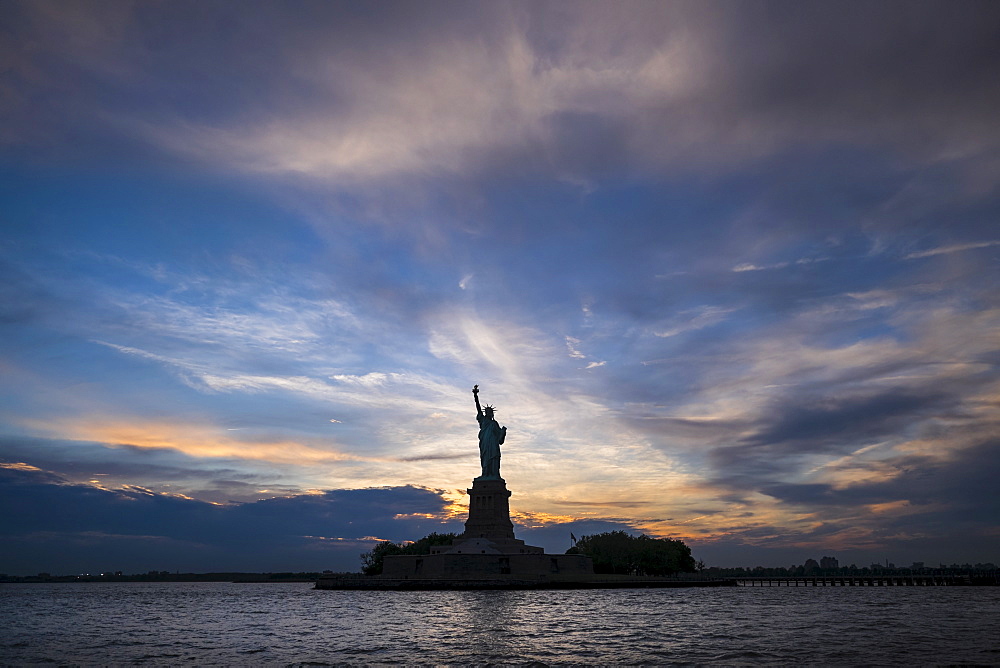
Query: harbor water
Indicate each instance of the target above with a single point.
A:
(293, 624)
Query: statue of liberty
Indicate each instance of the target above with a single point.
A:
(491, 435)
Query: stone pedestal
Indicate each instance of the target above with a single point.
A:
(489, 511)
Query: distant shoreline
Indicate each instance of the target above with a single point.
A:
(164, 576)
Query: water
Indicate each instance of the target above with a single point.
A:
(289, 624)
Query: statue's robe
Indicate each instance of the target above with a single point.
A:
(491, 435)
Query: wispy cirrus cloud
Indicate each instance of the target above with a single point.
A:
(746, 266)
(953, 248)
(694, 319)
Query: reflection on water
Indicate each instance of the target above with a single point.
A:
(169, 623)
(493, 623)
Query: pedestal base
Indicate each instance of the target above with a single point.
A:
(489, 511)
(469, 566)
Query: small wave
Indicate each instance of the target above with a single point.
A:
(744, 655)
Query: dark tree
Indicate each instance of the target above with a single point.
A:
(371, 561)
(620, 553)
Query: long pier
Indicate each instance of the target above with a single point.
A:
(866, 581)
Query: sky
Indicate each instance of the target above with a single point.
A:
(730, 271)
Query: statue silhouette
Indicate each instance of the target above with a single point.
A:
(491, 435)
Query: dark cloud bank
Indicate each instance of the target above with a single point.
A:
(56, 526)
(52, 525)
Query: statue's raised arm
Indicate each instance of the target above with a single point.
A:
(491, 435)
(475, 395)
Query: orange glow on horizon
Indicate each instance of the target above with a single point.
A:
(202, 441)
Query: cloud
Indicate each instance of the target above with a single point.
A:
(953, 248)
(571, 344)
(193, 440)
(694, 319)
(373, 379)
(18, 472)
(68, 528)
(451, 101)
(943, 498)
(808, 418)
(754, 267)
(853, 419)
(652, 86)
(286, 323)
(778, 265)
(166, 469)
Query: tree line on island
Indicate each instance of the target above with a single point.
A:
(613, 552)
(371, 561)
(620, 553)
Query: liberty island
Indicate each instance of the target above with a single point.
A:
(487, 555)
